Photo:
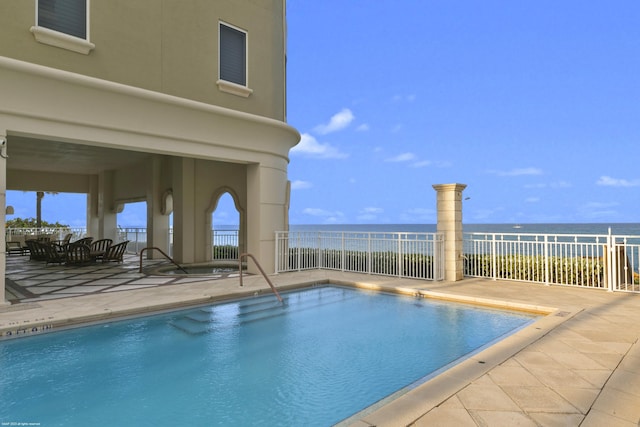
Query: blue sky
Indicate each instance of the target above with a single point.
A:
(535, 105)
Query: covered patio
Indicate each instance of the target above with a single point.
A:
(63, 132)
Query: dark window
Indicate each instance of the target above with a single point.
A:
(233, 55)
(65, 16)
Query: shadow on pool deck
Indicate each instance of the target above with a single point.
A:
(578, 365)
(29, 281)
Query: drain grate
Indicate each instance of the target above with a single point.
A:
(563, 313)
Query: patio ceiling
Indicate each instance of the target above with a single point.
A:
(26, 153)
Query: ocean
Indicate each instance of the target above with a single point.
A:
(619, 229)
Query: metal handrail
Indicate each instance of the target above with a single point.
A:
(273, 288)
(165, 255)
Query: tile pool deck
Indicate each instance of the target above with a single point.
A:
(578, 365)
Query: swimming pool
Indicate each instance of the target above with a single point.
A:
(326, 354)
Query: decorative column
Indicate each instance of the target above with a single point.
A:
(449, 205)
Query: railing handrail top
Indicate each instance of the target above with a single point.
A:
(484, 233)
(359, 232)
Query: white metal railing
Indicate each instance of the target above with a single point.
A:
(594, 261)
(51, 233)
(225, 242)
(416, 255)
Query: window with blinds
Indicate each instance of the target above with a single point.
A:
(65, 16)
(233, 55)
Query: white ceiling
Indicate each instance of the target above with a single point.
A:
(53, 156)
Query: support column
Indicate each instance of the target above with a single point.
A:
(184, 227)
(159, 207)
(449, 205)
(266, 201)
(92, 207)
(107, 217)
(3, 207)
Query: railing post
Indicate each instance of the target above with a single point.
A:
(277, 253)
(547, 279)
(320, 256)
(343, 255)
(400, 263)
(369, 257)
(611, 262)
(298, 252)
(494, 258)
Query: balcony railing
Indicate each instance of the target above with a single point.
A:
(225, 242)
(593, 261)
(416, 255)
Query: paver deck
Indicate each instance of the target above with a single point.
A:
(577, 365)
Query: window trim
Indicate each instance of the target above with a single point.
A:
(62, 40)
(226, 85)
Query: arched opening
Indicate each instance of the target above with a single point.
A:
(225, 219)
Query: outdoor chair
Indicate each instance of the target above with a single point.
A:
(37, 251)
(100, 247)
(55, 254)
(84, 241)
(66, 240)
(14, 247)
(115, 252)
(78, 254)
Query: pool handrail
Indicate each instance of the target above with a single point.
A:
(248, 255)
(165, 255)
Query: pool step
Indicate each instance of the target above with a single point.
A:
(203, 320)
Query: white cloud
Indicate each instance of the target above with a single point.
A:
(554, 185)
(327, 217)
(369, 214)
(517, 172)
(598, 210)
(363, 127)
(399, 98)
(300, 185)
(404, 157)
(421, 164)
(372, 210)
(337, 122)
(532, 199)
(310, 147)
(417, 215)
(607, 181)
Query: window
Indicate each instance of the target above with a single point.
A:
(63, 23)
(65, 16)
(233, 61)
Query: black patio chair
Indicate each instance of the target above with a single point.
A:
(55, 254)
(37, 251)
(79, 254)
(100, 247)
(115, 252)
(84, 241)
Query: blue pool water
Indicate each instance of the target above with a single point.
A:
(328, 353)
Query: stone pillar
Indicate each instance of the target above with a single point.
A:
(266, 201)
(107, 216)
(449, 205)
(159, 208)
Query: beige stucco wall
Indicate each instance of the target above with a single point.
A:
(167, 46)
(149, 88)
